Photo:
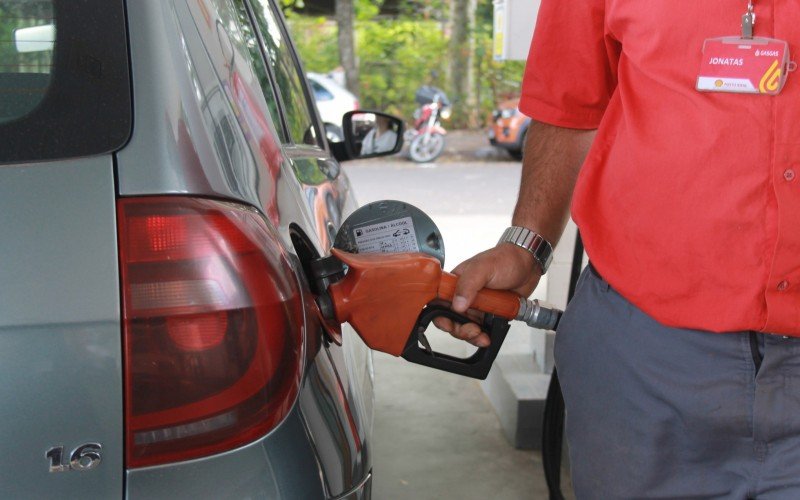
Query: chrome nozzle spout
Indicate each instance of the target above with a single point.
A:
(538, 316)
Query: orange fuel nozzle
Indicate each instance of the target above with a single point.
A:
(387, 299)
(498, 302)
(382, 296)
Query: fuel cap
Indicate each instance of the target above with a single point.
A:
(390, 226)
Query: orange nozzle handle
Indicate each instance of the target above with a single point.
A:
(498, 302)
(382, 296)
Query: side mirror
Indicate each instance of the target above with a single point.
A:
(368, 134)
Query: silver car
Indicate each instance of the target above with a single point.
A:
(164, 183)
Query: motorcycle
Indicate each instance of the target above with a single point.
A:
(426, 137)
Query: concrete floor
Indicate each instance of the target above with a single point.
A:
(436, 437)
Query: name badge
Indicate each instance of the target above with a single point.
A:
(744, 65)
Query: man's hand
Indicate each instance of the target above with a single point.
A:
(505, 267)
(553, 158)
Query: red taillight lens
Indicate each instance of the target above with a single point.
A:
(356, 105)
(212, 327)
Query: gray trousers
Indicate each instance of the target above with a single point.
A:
(658, 412)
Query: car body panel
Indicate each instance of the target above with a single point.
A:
(276, 466)
(203, 128)
(509, 132)
(178, 102)
(60, 342)
(322, 433)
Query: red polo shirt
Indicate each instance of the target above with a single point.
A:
(688, 202)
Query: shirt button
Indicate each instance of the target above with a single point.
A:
(783, 285)
(788, 174)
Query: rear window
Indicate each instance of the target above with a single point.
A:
(26, 52)
(64, 81)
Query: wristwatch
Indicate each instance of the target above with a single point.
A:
(531, 241)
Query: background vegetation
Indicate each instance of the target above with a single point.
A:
(20, 14)
(410, 46)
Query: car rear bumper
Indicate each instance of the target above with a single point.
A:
(283, 464)
(509, 145)
(507, 137)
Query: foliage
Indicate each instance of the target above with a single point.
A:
(315, 39)
(365, 9)
(397, 56)
(289, 6)
(499, 80)
(18, 14)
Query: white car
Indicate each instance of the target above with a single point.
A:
(333, 101)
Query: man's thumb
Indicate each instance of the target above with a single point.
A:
(467, 288)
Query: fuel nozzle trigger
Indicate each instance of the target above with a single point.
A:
(477, 365)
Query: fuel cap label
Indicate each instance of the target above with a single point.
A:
(390, 226)
(392, 236)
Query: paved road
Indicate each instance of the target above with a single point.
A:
(436, 436)
(471, 202)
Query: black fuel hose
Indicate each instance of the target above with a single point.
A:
(553, 419)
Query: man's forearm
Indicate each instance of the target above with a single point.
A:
(553, 158)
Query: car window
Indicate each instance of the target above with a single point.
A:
(59, 68)
(259, 66)
(27, 40)
(320, 92)
(302, 128)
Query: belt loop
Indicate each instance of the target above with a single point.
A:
(593, 270)
(755, 350)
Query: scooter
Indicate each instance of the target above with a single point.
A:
(426, 138)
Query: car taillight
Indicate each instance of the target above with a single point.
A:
(356, 105)
(212, 327)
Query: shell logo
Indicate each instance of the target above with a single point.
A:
(718, 83)
(771, 79)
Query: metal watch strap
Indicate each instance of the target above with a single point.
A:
(531, 241)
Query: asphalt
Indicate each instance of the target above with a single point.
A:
(435, 434)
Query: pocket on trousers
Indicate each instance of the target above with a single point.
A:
(571, 318)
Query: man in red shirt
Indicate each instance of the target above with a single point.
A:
(678, 356)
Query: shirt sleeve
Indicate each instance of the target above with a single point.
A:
(571, 72)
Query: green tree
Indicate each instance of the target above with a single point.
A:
(397, 55)
(462, 71)
(345, 17)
